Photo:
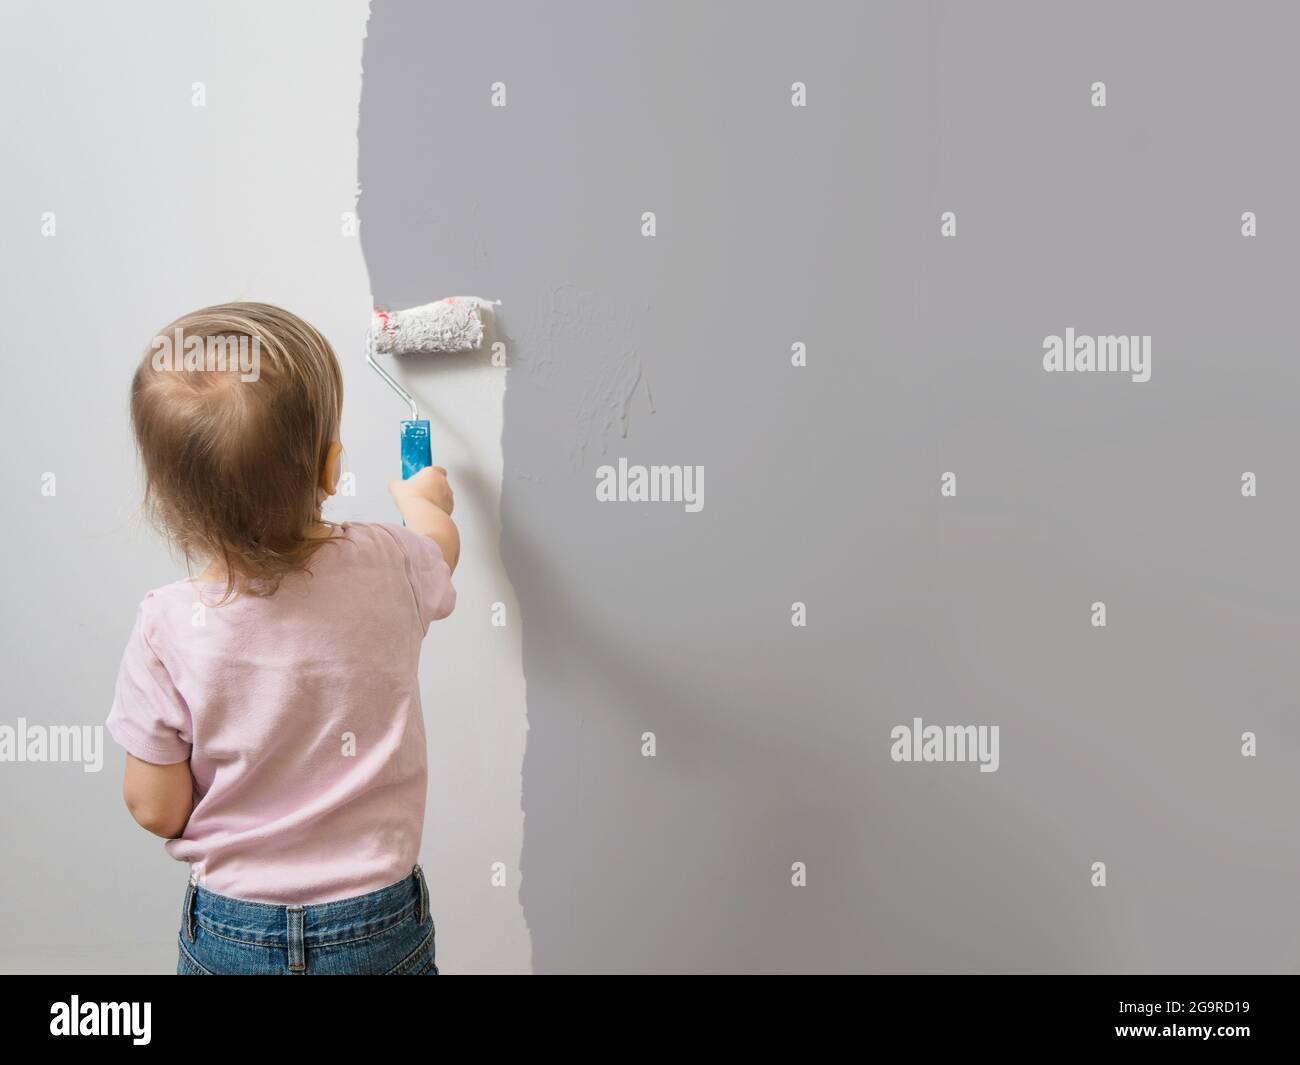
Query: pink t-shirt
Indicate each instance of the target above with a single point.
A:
(300, 715)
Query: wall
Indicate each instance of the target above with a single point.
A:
(472, 669)
(820, 225)
(160, 207)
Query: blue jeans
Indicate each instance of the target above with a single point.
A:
(386, 932)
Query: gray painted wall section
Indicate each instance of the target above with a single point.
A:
(820, 225)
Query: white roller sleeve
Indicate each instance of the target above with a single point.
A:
(447, 325)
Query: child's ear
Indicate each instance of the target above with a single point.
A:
(329, 474)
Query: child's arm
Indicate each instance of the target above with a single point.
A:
(160, 797)
(425, 502)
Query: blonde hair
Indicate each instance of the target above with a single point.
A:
(233, 452)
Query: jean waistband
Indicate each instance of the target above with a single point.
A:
(296, 927)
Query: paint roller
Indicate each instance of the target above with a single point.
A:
(443, 327)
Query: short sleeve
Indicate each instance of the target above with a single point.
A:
(430, 576)
(149, 717)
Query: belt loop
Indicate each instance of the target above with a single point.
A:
(187, 910)
(297, 949)
(422, 907)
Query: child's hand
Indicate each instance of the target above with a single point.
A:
(429, 484)
(425, 501)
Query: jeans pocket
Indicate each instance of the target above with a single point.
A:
(185, 963)
(420, 960)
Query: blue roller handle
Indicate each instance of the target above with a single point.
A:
(415, 447)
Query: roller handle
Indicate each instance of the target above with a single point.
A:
(416, 454)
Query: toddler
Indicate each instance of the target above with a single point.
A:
(270, 708)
